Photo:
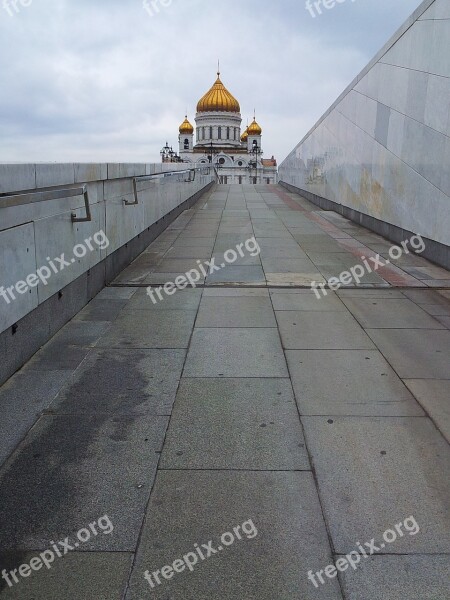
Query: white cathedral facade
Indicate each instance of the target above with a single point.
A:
(218, 140)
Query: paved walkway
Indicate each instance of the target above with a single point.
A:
(302, 428)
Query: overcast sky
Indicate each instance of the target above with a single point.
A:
(103, 80)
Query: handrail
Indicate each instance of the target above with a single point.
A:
(192, 173)
(7, 201)
(32, 197)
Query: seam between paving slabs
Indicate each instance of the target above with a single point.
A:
(310, 458)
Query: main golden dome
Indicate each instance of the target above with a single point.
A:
(186, 127)
(218, 99)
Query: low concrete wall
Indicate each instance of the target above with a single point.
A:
(381, 154)
(35, 235)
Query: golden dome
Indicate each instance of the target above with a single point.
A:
(218, 99)
(244, 136)
(254, 128)
(186, 127)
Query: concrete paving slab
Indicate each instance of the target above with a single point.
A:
(374, 472)
(434, 396)
(429, 272)
(80, 576)
(348, 382)
(236, 352)
(188, 299)
(192, 252)
(427, 297)
(305, 300)
(312, 330)
(116, 293)
(251, 275)
(123, 382)
(345, 259)
(22, 399)
(238, 311)
(72, 470)
(150, 329)
(140, 268)
(335, 270)
(185, 240)
(436, 310)
(282, 252)
(101, 310)
(176, 265)
(415, 353)
(235, 424)
(288, 265)
(246, 260)
(69, 347)
(286, 536)
(390, 313)
(436, 283)
(419, 577)
(445, 321)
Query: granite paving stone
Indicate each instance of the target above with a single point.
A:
(71, 470)
(22, 399)
(235, 424)
(415, 353)
(235, 352)
(150, 329)
(78, 576)
(390, 313)
(123, 382)
(312, 330)
(375, 472)
(415, 577)
(434, 396)
(236, 312)
(188, 299)
(305, 300)
(286, 536)
(348, 382)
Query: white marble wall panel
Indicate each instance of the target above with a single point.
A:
(384, 147)
(18, 260)
(16, 178)
(50, 246)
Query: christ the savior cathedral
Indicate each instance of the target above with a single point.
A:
(218, 140)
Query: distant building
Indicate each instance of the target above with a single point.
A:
(218, 140)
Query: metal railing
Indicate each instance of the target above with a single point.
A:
(31, 197)
(7, 201)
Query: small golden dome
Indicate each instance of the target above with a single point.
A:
(186, 127)
(244, 136)
(254, 128)
(218, 99)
